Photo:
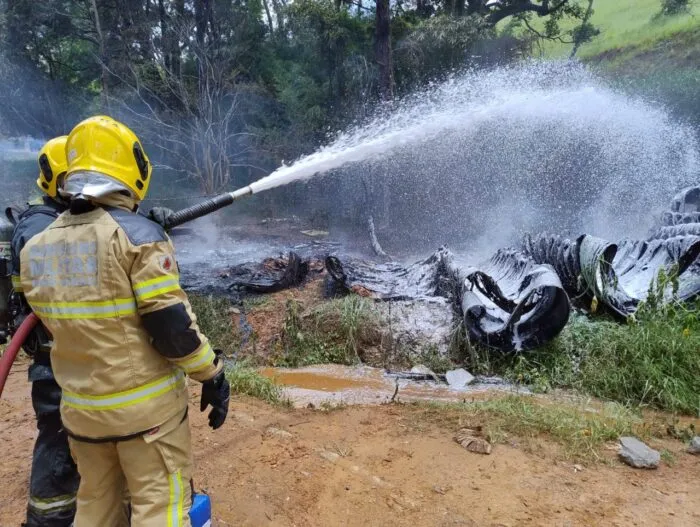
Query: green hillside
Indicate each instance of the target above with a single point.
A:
(627, 24)
(642, 52)
(635, 24)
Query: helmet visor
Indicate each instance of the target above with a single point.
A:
(92, 185)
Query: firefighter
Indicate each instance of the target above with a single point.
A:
(54, 477)
(104, 281)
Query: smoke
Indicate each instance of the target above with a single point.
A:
(33, 104)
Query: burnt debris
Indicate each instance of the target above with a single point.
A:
(517, 300)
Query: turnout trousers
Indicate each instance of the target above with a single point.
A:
(54, 477)
(155, 468)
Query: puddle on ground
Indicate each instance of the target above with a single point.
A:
(336, 384)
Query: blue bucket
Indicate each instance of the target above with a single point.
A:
(200, 513)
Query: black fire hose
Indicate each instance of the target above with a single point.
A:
(205, 207)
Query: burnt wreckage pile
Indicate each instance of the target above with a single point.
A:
(519, 299)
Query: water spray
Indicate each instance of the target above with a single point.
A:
(484, 156)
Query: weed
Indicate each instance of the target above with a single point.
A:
(253, 302)
(330, 406)
(581, 429)
(248, 381)
(652, 360)
(668, 457)
(341, 449)
(681, 432)
(215, 321)
(335, 331)
(433, 359)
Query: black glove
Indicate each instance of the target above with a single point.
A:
(216, 392)
(160, 215)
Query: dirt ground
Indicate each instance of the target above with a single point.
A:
(379, 465)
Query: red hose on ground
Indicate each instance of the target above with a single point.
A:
(14, 346)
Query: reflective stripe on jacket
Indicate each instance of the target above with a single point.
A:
(105, 283)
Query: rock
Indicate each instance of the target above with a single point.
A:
(278, 433)
(424, 370)
(637, 454)
(314, 233)
(459, 378)
(694, 447)
(467, 437)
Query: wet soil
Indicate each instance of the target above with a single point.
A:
(332, 385)
(267, 314)
(379, 466)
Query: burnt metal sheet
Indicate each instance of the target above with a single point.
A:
(513, 304)
(508, 302)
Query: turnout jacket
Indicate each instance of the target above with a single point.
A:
(33, 220)
(105, 283)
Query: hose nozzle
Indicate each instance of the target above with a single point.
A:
(206, 207)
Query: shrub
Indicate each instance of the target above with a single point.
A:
(335, 331)
(674, 7)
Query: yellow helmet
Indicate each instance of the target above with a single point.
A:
(100, 145)
(52, 165)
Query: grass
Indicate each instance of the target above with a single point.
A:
(625, 24)
(431, 357)
(653, 360)
(335, 331)
(248, 381)
(580, 429)
(215, 321)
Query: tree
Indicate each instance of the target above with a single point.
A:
(585, 32)
(383, 51)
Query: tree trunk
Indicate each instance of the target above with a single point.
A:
(277, 5)
(13, 15)
(175, 45)
(164, 37)
(200, 20)
(269, 16)
(103, 56)
(383, 50)
(169, 37)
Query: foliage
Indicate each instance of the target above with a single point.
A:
(623, 25)
(248, 381)
(439, 45)
(580, 428)
(335, 331)
(222, 91)
(434, 360)
(650, 361)
(674, 7)
(214, 319)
